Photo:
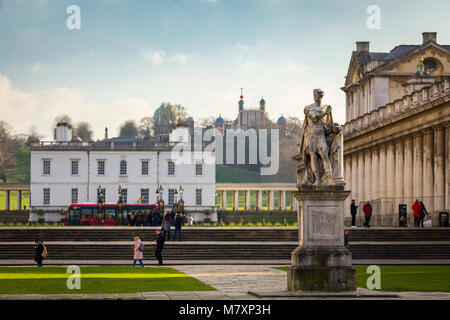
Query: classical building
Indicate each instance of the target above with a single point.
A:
(65, 172)
(397, 130)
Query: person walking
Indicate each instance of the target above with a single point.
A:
(178, 223)
(159, 246)
(39, 252)
(367, 208)
(353, 212)
(423, 213)
(138, 252)
(166, 226)
(132, 219)
(416, 208)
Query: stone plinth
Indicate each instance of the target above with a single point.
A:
(321, 262)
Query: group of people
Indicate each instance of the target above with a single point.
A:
(144, 219)
(418, 208)
(139, 249)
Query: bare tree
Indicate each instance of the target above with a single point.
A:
(145, 127)
(7, 144)
(129, 129)
(84, 131)
(33, 135)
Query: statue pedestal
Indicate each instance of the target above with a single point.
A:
(321, 262)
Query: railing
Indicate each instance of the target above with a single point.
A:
(397, 107)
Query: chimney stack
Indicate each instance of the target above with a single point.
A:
(362, 46)
(429, 36)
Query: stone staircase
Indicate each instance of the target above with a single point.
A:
(223, 244)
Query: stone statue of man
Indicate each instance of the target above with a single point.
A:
(320, 149)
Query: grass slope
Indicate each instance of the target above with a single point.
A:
(421, 278)
(108, 279)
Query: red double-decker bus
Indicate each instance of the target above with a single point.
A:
(88, 214)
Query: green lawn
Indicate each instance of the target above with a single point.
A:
(52, 280)
(430, 278)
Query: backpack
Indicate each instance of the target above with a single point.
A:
(141, 247)
(44, 252)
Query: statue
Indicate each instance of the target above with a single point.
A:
(321, 145)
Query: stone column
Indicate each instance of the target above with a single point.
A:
(269, 200)
(361, 178)
(235, 200)
(408, 173)
(417, 164)
(375, 174)
(348, 183)
(390, 183)
(447, 169)
(223, 199)
(259, 199)
(428, 181)
(439, 169)
(283, 200)
(399, 176)
(246, 200)
(382, 185)
(19, 199)
(354, 177)
(368, 175)
(293, 201)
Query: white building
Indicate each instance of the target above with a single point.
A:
(65, 172)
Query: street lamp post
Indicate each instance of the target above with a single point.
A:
(100, 202)
(120, 205)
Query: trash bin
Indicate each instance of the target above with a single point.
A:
(443, 219)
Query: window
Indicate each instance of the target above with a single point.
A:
(170, 168)
(144, 168)
(125, 195)
(171, 196)
(430, 64)
(104, 195)
(199, 169)
(101, 167)
(46, 167)
(74, 195)
(144, 195)
(123, 168)
(198, 197)
(46, 196)
(74, 167)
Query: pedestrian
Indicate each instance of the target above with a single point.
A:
(346, 239)
(156, 217)
(417, 208)
(139, 219)
(146, 214)
(178, 223)
(138, 252)
(353, 212)
(367, 208)
(132, 219)
(39, 252)
(166, 226)
(159, 246)
(423, 213)
(172, 216)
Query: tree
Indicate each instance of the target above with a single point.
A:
(33, 136)
(129, 129)
(7, 144)
(84, 131)
(208, 121)
(145, 128)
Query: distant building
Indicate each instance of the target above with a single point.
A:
(65, 172)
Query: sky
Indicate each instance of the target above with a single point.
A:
(130, 56)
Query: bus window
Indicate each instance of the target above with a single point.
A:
(87, 213)
(74, 216)
(110, 213)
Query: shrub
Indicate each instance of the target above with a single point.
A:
(259, 224)
(231, 224)
(277, 224)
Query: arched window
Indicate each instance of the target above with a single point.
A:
(123, 168)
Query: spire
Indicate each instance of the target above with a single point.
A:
(106, 132)
(241, 102)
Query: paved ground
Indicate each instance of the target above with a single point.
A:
(231, 282)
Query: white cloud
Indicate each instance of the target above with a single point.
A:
(23, 109)
(181, 58)
(155, 56)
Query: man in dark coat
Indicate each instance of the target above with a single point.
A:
(159, 246)
(367, 208)
(353, 212)
(423, 213)
(178, 224)
(39, 248)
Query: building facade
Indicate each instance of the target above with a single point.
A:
(397, 134)
(65, 172)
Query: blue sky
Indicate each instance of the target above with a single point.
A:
(129, 56)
